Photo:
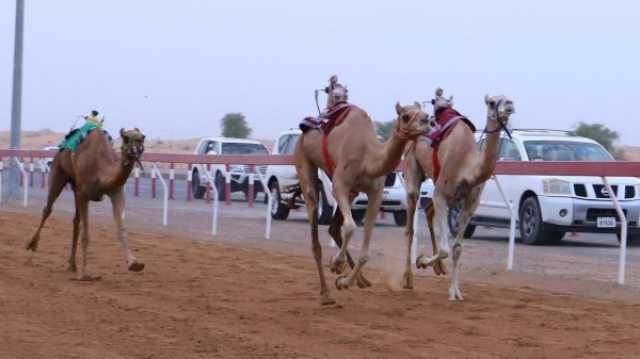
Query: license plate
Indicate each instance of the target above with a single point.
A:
(606, 222)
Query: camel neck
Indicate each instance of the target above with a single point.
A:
(122, 171)
(385, 157)
(490, 149)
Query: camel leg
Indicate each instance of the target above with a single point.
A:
(338, 262)
(456, 249)
(374, 199)
(57, 181)
(82, 207)
(441, 231)
(412, 183)
(74, 241)
(118, 202)
(334, 232)
(308, 179)
(439, 267)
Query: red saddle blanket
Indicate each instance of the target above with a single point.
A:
(326, 122)
(446, 119)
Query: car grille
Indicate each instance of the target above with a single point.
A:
(580, 190)
(600, 191)
(261, 169)
(594, 213)
(629, 192)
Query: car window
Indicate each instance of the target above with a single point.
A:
(293, 140)
(243, 149)
(211, 146)
(282, 145)
(509, 151)
(565, 151)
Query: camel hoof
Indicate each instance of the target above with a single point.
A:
(136, 267)
(88, 278)
(362, 282)
(327, 300)
(337, 264)
(342, 282)
(32, 245)
(455, 295)
(440, 268)
(408, 281)
(72, 268)
(422, 262)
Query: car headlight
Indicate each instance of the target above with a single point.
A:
(556, 186)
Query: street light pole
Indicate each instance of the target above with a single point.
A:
(16, 106)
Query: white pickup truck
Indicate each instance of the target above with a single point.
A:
(550, 206)
(238, 174)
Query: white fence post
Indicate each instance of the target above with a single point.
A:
(25, 182)
(1, 172)
(512, 224)
(165, 194)
(263, 180)
(214, 215)
(623, 235)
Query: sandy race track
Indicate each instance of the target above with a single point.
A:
(200, 299)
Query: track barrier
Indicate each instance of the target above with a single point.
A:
(599, 169)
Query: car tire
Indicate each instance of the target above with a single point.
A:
(278, 210)
(530, 218)
(358, 215)
(196, 188)
(400, 218)
(220, 186)
(325, 210)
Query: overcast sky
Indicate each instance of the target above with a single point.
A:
(174, 68)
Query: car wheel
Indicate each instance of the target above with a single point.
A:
(358, 215)
(531, 231)
(220, 186)
(278, 209)
(453, 219)
(400, 217)
(325, 210)
(196, 189)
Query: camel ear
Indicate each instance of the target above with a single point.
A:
(418, 105)
(137, 129)
(398, 108)
(487, 99)
(122, 132)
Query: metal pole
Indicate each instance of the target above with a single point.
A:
(16, 106)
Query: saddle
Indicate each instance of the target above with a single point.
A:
(326, 122)
(76, 136)
(446, 119)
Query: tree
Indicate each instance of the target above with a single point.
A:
(383, 129)
(601, 134)
(234, 124)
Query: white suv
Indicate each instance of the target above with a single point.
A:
(281, 179)
(550, 206)
(238, 174)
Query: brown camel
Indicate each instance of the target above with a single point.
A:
(360, 162)
(94, 170)
(463, 170)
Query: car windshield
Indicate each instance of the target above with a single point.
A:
(243, 149)
(565, 151)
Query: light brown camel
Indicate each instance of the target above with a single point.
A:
(463, 171)
(361, 161)
(93, 171)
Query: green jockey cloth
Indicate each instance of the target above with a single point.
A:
(74, 139)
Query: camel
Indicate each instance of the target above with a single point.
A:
(356, 161)
(94, 170)
(463, 171)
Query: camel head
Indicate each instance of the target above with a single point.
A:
(411, 122)
(499, 108)
(132, 145)
(336, 92)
